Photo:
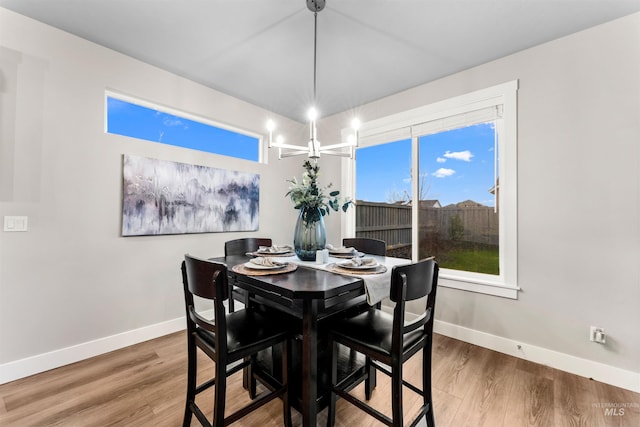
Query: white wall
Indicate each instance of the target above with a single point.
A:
(71, 287)
(578, 202)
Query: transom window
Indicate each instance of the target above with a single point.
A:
(139, 119)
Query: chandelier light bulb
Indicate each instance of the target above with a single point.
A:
(312, 114)
(271, 125)
(355, 124)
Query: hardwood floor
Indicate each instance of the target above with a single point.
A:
(144, 385)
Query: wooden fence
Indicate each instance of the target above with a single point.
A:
(478, 224)
(388, 222)
(392, 223)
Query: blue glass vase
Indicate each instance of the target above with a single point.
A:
(310, 234)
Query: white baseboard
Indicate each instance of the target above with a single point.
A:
(17, 369)
(585, 368)
(629, 380)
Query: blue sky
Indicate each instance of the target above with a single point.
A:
(455, 166)
(145, 123)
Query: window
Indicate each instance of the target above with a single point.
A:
(142, 120)
(458, 219)
(457, 159)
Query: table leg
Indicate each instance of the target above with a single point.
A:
(309, 362)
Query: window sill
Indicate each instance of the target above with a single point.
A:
(483, 285)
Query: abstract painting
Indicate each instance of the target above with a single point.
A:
(164, 197)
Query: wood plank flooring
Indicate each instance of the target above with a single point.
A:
(144, 385)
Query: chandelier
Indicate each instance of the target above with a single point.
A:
(314, 148)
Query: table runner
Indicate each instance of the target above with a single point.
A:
(376, 286)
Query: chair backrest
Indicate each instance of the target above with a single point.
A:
(411, 282)
(366, 245)
(207, 280)
(242, 246)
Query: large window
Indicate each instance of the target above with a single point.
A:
(440, 181)
(142, 120)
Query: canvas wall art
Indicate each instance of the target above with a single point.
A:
(164, 197)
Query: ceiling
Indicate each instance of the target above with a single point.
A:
(261, 51)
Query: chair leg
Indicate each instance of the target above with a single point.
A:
(396, 394)
(331, 414)
(232, 306)
(370, 381)
(245, 380)
(426, 386)
(431, 422)
(252, 383)
(286, 402)
(192, 369)
(220, 394)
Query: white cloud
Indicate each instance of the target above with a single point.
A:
(459, 155)
(170, 122)
(441, 160)
(443, 173)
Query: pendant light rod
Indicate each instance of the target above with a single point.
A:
(314, 148)
(315, 56)
(315, 6)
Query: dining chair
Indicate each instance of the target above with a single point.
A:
(231, 341)
(241, 247)
(366, 245)
(391, 340)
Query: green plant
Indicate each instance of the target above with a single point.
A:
(307, 194)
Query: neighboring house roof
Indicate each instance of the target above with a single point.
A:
(430, 204)
(466, 204)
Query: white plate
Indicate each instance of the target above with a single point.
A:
(254, 266)
(351, 266)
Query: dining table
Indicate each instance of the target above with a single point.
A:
(311, 292)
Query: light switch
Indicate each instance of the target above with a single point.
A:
(15, 223)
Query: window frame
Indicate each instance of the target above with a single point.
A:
(403, 125)
(262, 158)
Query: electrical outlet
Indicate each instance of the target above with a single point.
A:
(597, 335)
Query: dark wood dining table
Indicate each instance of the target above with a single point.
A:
(310, 295)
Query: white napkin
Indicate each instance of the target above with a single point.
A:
(275, 248)
(376, 286)
(340, 249)
(359, 262)
(267, 262)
